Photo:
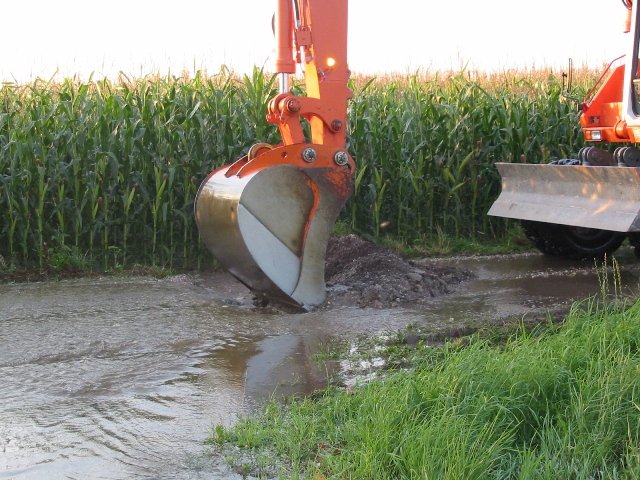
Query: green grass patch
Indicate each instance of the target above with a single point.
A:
(556, 403)
(442, 244)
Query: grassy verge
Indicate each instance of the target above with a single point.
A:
(441, 244)
(71, 264)
(65, 262)
(556, 403)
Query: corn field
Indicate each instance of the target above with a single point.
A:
(107, 171)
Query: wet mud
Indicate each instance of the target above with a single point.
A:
(121, 378)
(367, 275)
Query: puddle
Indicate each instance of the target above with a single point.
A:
(118, 378)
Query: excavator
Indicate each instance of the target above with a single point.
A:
(585, 207)
(268, 216)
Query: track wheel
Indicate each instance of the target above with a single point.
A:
(572, 242)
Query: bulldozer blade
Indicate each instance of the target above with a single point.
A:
(270, 228)
(606, 198)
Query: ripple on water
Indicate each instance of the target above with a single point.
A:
(121, 378)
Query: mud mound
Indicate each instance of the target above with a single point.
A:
(368, 275)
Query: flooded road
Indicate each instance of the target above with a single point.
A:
(120, 378)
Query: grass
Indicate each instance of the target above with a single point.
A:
(560, 402)
(441, 244)
(108, 170)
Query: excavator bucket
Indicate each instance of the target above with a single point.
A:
(598, 197)
(268, 220)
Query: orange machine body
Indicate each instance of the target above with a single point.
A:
(603, 112)
(602, 117)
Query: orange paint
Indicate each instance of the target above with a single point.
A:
(292, 155)
(312, 213)
(284, 51)
(317, 41)
(627, 19)
(321, 35)
(603, 110)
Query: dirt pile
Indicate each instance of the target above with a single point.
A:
(368, 275)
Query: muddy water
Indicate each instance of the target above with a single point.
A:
(123, 378)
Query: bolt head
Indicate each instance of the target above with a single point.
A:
(293, 105)
(341, 158)
(309, 155)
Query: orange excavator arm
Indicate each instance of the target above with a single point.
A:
(268, 216)
(323, 52)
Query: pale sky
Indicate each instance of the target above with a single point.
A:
(40, 37)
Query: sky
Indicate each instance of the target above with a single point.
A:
(43, 38)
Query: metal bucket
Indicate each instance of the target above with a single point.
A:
(269, 225)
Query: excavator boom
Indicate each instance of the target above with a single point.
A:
(268, 216)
